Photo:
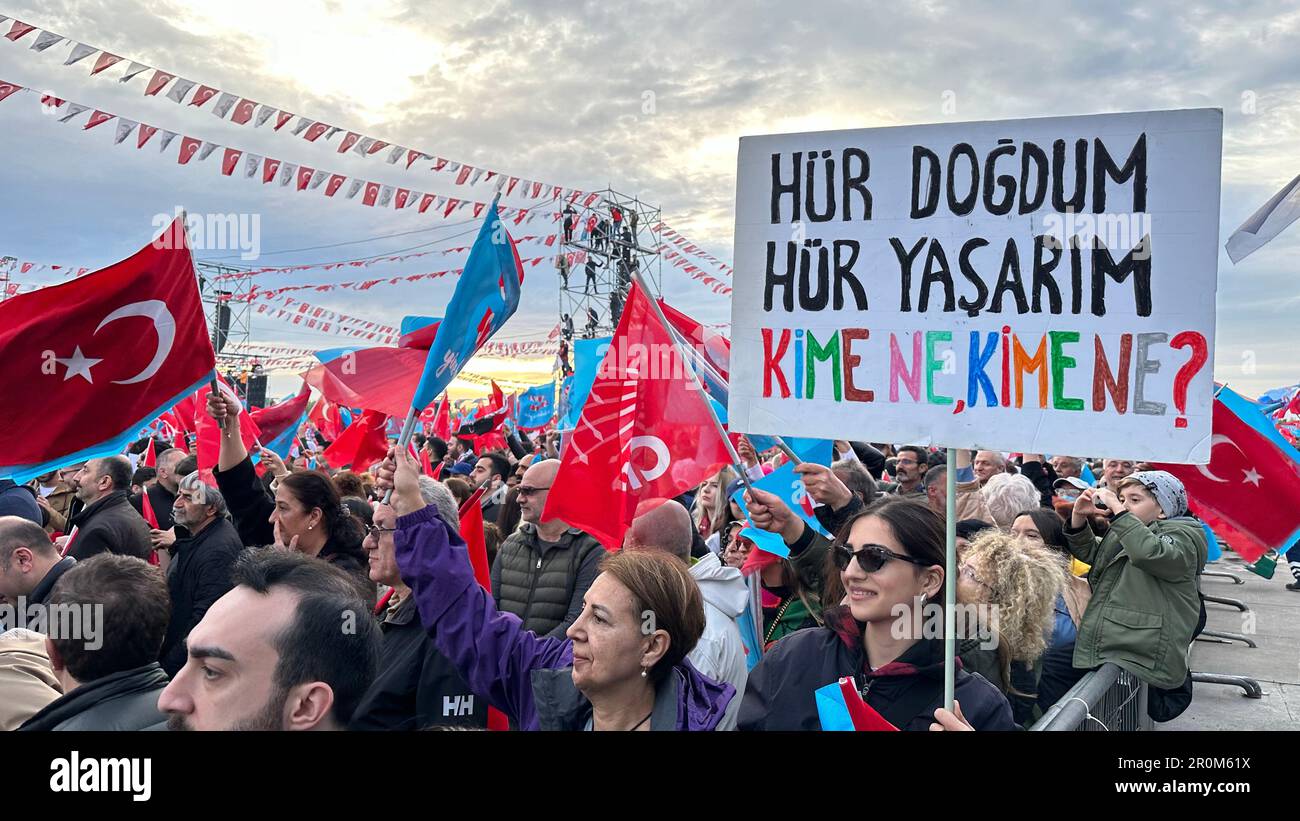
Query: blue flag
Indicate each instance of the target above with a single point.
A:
(789, 488)
(587, 354)
(485, 297)
(536, 406)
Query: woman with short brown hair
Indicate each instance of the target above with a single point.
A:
(622, 664)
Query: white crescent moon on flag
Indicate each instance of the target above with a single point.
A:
(163, 323)
(1217, 439)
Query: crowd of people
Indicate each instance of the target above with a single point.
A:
(268, 595)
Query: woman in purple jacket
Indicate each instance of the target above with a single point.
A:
(623, 664)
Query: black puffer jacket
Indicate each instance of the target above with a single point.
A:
(110, 525)
(779, 694)
(544, 586)
(123, 701)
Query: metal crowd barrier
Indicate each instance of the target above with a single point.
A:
(1106, 699)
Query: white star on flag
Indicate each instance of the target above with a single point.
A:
(78, 365)
(1252, 476)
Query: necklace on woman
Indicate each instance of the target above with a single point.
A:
(777, 620)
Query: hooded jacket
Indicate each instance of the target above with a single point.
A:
(110, 525)
(1145, 599)
(906, 691)
(527, 677)
(122, 701)
(720, 653)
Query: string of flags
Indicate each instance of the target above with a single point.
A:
(549, 240)
(270, 169)
(245, 111)
(257, 293)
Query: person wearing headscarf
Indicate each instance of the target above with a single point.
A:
(1145, 605)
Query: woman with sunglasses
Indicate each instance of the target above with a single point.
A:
(890, 558)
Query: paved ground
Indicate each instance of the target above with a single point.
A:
(1274, 623)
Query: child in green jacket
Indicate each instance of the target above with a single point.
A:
(1145, 601)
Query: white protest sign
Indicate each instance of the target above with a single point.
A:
(1041, 285)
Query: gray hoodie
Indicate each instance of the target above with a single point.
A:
(720, 653)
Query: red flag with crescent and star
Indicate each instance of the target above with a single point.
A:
(1249, 493)
(645, 432)
(87, 363)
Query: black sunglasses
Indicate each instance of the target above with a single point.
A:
(870, 558)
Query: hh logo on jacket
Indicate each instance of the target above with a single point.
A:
(457, 705)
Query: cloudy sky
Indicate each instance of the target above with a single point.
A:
(649, 98)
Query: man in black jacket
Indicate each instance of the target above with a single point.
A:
(29, 563)
(162, 491)
(108, 523)
(199, 573)
(416, 686)
(108, 672)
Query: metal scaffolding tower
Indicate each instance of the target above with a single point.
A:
(600, 246)
(229, 310)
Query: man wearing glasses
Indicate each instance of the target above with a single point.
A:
(543, 569)
(909, 471)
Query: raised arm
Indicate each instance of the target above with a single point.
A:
(490, 649)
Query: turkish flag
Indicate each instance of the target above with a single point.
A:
(314, 131)
(304, 176)
(349, 141)
(143, 135)
(158, 82)
(335, 181)
(105, 60)
(646, 432)
(442, 422)
(97, 118)
(471, 530)
(1249, 493)
(209, 434)
(229, 160)
(327, 420)
(203, 94)
(150, 457)
(372, 193)
(362, 444)
(189, 145)
(88, 363)
(269, 169)
(243, 111)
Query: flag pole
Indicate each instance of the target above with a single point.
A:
(950, 583)
(736, 463)
(716, 376)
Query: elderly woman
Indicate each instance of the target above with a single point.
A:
(622, 664)
(1145, 602)
(306, 513)
(1006, 494)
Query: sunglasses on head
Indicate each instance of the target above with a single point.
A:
(870, 558)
